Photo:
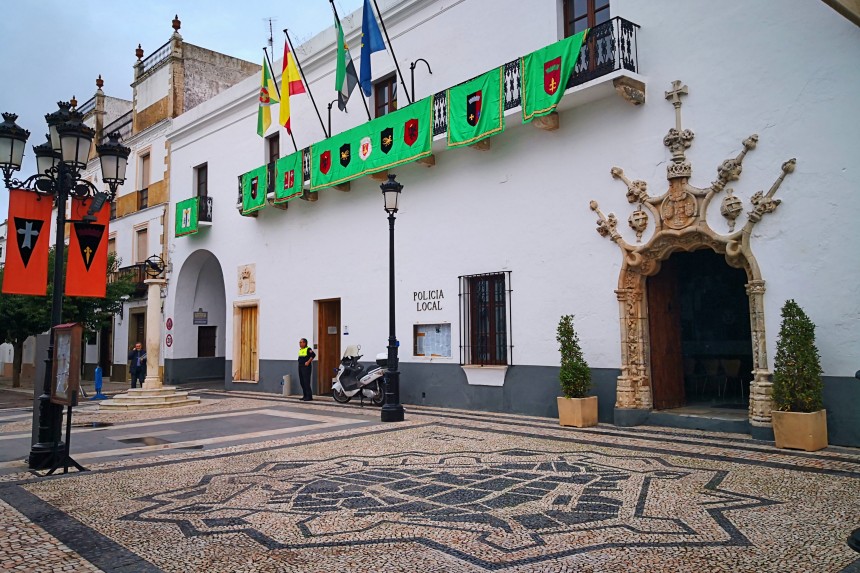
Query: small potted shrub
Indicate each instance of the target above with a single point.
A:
(575, 408)
(799, 418)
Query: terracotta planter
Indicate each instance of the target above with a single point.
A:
(800, 430)
(578, 412)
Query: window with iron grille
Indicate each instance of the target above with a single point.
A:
(485, 319)
(385, 95)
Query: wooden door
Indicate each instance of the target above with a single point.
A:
(328, 339)
(248, 344)
(664, 327)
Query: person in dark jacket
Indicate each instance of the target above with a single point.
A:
(137, 367)
(306, 359)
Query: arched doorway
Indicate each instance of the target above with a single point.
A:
(699, 330)
(199, 321)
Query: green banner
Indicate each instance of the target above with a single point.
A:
(186, 217)
(476, 109)
(399, 137)
(288, 178)
(545, 74)
(254, 190)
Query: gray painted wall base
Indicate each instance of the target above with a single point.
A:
(529, 390)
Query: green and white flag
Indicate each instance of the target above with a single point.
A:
(288, 178)
(476, 109)
(545, 74)
(186, 217)
(395, 138)
(254, 185)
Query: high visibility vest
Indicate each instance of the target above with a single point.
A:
(303, 352)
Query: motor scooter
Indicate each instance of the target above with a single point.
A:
(353, 379)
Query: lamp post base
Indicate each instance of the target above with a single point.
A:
(393, 414)
(392, 410)
(42, 455)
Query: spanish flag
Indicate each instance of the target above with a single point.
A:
(291, 84)
(26, 270)
(86, 273)
(267, 98)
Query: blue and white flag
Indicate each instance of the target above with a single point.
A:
(371, 41)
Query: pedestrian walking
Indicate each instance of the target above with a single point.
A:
(137, 364)
(306, 359)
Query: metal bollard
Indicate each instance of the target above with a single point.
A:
(98, 376)
(285, 383)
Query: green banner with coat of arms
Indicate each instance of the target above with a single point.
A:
(476, 109)
(399, 137)
(186, 217)
(288, 178)
(545, 74)
(254, 184)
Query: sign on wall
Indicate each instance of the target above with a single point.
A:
(201, 317)
(187, 217)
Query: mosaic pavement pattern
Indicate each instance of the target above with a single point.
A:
(464, 494)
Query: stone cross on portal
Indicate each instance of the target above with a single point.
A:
(29, 234)
(678, 89)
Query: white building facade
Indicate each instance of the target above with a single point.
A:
(495, 243)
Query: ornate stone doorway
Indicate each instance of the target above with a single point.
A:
(699, 331)
(678, 222)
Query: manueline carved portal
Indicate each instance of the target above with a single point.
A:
(680, 224)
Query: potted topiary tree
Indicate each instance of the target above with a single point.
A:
(799, 419)
(575, 408)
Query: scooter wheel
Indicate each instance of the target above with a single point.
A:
(340, 396)
(379, 398)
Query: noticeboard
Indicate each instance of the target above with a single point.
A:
(66, 368)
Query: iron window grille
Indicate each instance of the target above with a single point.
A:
(486, 336)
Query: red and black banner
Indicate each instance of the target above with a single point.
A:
(29, 229)
(86, 272)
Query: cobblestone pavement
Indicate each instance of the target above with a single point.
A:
(444, 491)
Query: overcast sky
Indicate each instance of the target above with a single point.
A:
(52, 50)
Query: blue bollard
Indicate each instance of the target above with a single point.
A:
(99, 395)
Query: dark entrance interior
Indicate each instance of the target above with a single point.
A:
(701, 347)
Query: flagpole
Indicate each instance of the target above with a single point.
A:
(391, 49)
(307, 83)
(277, 89)
(364, 101)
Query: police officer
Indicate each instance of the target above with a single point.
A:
(306, 358)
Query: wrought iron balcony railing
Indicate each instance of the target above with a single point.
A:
(204, 209)
(155, 58)
(122, 124)
(610, 46)
(136, 273)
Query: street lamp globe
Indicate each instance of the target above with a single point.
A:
(391, 192)
(13, 138)
(46, 157)
(114, 160)
(56, 119)
(76, 140)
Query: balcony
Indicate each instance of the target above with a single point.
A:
(610, 47)
(136, 274)
(204, 210)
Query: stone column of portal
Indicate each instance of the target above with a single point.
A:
(153, 332)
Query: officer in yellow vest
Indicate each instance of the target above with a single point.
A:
(306, 359)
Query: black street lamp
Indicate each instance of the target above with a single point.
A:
(392, 410)
(58, 165)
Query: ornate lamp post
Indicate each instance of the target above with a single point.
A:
(392, 410)
(58, 164)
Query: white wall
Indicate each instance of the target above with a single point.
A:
(523, 205)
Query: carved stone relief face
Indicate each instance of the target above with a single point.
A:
(247, 283)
